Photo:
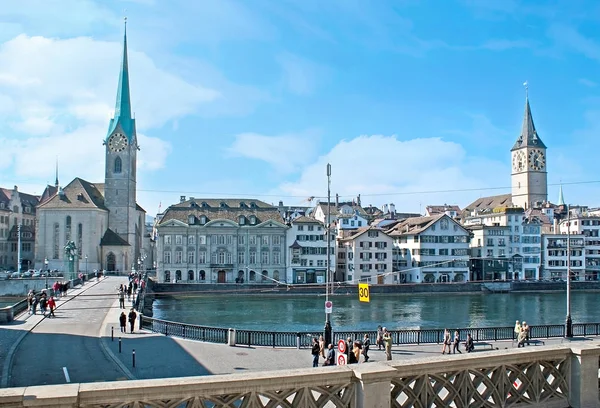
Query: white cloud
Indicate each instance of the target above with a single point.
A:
(284, 152)
(384, 169)
(300, 75)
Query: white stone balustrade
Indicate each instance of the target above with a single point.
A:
(553, 376)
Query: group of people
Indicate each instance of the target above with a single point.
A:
(353, 350)
(452, 344)
(132, 316)
(46, 303)
(522, 333)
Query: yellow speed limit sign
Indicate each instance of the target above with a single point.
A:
(363, 292)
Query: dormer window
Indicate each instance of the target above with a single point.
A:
(191, 219)
(252, 219)
(223, 204)
(203, 219)
(242, 220)
(193, 204)
(80, 197)
(205, 204)
(252, 205)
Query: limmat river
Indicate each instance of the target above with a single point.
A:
(420, 311)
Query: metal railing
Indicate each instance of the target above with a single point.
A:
(304, 339)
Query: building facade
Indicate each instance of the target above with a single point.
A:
(17, 209)
(588, 225)
(431, 249)
(307, 251)
(555, 256)
(103, 220)
(366, 257)
(221, 241)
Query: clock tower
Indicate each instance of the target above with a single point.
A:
(529, 176)
(121, 161)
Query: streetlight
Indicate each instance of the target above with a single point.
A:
(46, 269)
(86, 268)
(71, 267)
(327, 329)
(568, 321)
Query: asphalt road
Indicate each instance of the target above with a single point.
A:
(68, 343)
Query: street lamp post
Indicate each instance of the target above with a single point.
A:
(46, 270)
(568, 321)
(86, 266)
(328, 272)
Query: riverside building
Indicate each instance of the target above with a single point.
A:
(365, 257)
(430, 249)
(221, 241)
(307, 251)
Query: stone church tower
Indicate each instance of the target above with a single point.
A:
(529, 176)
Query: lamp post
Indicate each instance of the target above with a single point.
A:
(46, 269)
(86, 266)
(328, 272)
(71, 267)
(568, 321)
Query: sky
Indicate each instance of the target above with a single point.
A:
(412, 102)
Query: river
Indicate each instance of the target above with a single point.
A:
(418, 311)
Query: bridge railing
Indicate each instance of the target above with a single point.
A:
(304, 339)
(536, 377)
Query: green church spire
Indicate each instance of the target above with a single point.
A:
(122, 120)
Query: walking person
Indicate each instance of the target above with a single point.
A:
(456, 343)
(330, 359)
(379, 339)
(51, 306)
(366, 346)
(132, 317)
(387, 341)
(315, 352)
(447, 342)
(469, 346)
(322, 346)
(123, 322)
(121, 299)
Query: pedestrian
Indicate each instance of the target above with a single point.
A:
(121, 299)
(321, 346)
(447, 341)
(123, 322)
(469, 346)
(330, 359)
(132, 316)
(456, 343)
(51, 306)
(315, 352)
(387, 341)
(365, 348)
(379, 339)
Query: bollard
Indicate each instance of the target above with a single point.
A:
(112, 333)
(119, 344)
(133, 358)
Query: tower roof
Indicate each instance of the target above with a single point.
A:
(122, 118)
(561, 198)
(529, 136)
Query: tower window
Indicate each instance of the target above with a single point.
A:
(118, 165)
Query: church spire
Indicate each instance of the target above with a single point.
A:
(56, 181)
(123, 115)
(561, 198)
(528, 136)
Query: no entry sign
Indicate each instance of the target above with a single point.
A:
(342, 346)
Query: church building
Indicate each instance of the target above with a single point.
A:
(103, 220)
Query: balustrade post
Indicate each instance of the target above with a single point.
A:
(373, 387)
(584, 377)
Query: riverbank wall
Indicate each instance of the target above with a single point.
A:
(189, 289)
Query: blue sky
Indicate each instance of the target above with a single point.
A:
(408, 100)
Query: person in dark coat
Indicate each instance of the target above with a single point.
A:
(132, 317)
(123, 322)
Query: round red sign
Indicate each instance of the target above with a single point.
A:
(341, 360)
(328, 304)
(342, 346)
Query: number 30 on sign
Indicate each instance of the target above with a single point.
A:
(363, 292)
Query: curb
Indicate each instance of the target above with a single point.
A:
(6, 368)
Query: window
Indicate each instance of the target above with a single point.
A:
(118, 165)
(178, 239)
(167, 240)
(241, 258)
(241, 240)
(202, 240)
(229, 239)
(56, 241)
(265, 240)
(265, 257)
(167, 257)
(79, 238)
(68, 229)
(191, 240)
(26, 247)
(202, 257)
(242, 220)
(221, 258)
(276, 258)
(221, 240)
(276, 240)
(191, 257)
(191, 220)
(252, 257)
(252, 239)
(178, 257)
(228, 258)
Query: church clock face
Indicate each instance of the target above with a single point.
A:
(537, 161)
(117, 142)
(519, 161)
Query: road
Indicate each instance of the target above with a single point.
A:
(68, 341)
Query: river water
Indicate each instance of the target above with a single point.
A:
(419, 311)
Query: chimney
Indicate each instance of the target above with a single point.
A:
(181, 199)
(281, 203)
(337, 200)
(392, 208)
(385, 208)
(358, 200)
